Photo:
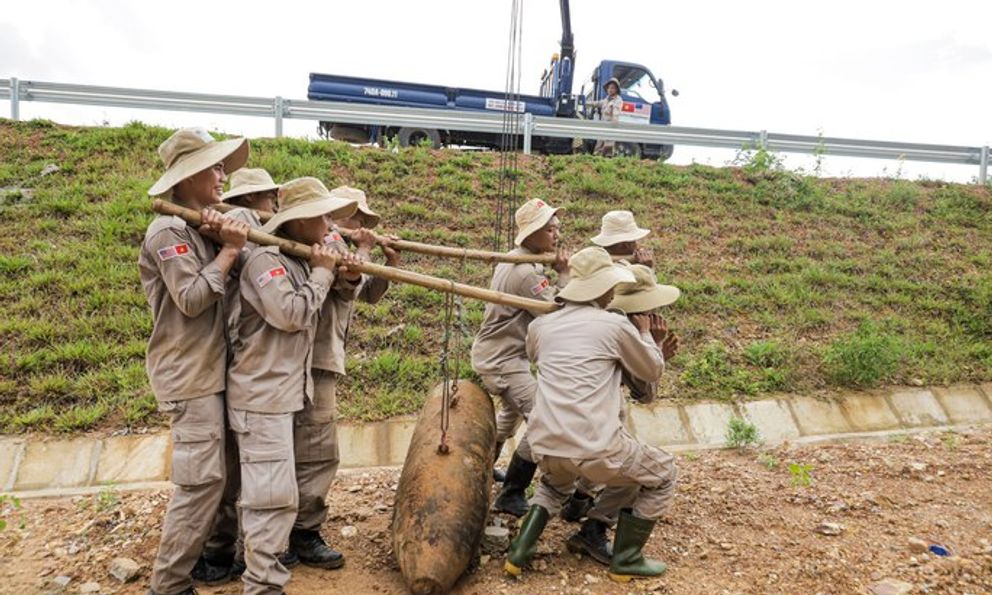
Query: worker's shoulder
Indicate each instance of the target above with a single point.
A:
(162, 223)
(263, 254)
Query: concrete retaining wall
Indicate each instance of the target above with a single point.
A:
(43, 465)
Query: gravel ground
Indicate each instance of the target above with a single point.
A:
(740, 524)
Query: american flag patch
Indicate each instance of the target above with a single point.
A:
(173, 251)
(267, 276)
(537, 289)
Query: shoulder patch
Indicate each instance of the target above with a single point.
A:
(540, 287)
(269, 275)
(170, 252)
(334, 237)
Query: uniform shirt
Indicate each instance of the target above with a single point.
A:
(580, 352)
(232, 297)
(610, 108)
(336, 313)
(281, 299)
(187, 350)
(499, 345)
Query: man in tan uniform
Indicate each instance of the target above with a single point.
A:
(642, 297)
(183, 276)
(315, 432)
(619, 235)
(610, 108)
(499, 355)
(223, 554)
(575, 429)
(269, 381)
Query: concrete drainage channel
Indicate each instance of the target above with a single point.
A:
(55, 467)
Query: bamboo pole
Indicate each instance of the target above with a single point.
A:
(389, 273)
(442, 251)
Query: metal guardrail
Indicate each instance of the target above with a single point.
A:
(279, 108)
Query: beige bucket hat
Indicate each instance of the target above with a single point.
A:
(249, 180)
(303, 198)
(191, 150)
(615, 81)
(619, 226)
(369, 217)
(592, 274)
(532, 216)
(644, 294)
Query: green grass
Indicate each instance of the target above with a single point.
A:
(790, 282)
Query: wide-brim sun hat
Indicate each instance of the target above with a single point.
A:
(532, 216)
(249, 181)
(618, 227)
(191, 150)
(304, 198)
(645, 293)
(369, 217)
(591, 274)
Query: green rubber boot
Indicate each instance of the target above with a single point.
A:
(628, 560)
(524, 545)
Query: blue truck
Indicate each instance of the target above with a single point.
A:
(643, 95)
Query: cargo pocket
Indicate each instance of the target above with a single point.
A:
(267, 477)
(315, 442)
(649, 466)
(197, 454)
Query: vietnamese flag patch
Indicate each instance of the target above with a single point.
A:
(173, 251)
(267, 276)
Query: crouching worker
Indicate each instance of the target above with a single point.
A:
(269, 382)
(574, 429)
(183, 273)
(643, 297)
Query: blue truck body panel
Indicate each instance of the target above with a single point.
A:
(384, 92)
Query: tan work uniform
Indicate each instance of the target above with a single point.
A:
(269, 382)
(315, 435)
(186, 362)
(575, 429)
(499, 355)
(610, 110)
(225, 539)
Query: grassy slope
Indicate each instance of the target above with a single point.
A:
(790, 283)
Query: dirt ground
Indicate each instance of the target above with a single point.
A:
(738, 525)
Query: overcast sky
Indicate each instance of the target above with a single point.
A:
(904, 71)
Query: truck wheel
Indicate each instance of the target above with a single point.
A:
(628, 150)
(413, 137)
(666, 152)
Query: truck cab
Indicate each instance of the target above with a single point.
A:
(644, 102)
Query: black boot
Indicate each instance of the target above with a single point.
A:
(212, 570)
(591, 540)
(311, 549)
(578, 505)
(498, 475)
(512, 499)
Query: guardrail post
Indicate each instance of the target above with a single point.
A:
(528, 130)
(15, 99)
(983, 166)
(277, 108)
(763, 139)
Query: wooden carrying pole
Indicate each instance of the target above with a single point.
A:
(389, 273)
(442, 251)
